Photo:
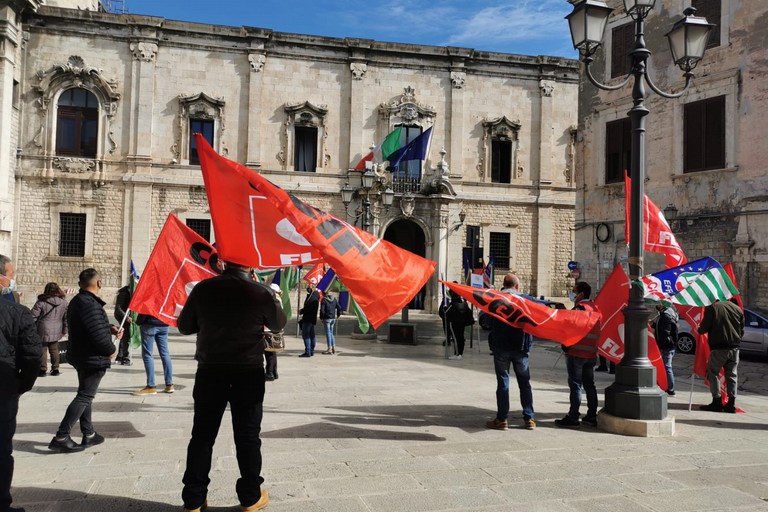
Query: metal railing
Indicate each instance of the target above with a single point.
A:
(403, 185)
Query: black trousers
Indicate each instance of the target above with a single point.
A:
(88, 380)
(8, 409)
(271, 362)
(123, 346)
(244, 391)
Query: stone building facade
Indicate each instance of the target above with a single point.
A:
(707, 163)
(102, 107)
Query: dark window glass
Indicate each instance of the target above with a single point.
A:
(501, 161)
(623, 42)
(473, 252)
(710, 9)
(77, 123)
(305, 152)
(618, 149)
(704, 140)
(200, 226)
(203, 127)
(412, 168)
(499, 249)
(72, 234)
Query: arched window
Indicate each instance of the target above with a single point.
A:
(77, 123)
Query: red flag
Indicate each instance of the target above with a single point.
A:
(382, 277)
(250, 230)
(611, 301)
(729, 270)
(315, 274)
(180, 259)
(658, 236)
(562, 325)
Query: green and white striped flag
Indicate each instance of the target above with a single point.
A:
(709, 287)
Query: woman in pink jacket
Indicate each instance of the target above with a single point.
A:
(50, 313)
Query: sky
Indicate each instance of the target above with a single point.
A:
(528, 27)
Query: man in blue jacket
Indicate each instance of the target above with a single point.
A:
(91, 351)
(20, 351)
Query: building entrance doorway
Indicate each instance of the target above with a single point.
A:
(409, 236)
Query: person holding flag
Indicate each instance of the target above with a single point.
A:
(308, 320)
(723, 321)
(133, 335)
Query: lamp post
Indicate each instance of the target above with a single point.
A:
(634, 394)
(371, 184)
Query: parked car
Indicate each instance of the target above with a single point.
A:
(484, 319)
(755, 340)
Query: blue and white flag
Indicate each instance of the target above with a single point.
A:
(696, 283)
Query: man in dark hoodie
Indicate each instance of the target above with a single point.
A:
(91, 352)
(229, 313)
(20, 350)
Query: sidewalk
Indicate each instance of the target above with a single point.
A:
(394, 428)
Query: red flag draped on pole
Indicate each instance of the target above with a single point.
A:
(382, 277)
(611, 301)
(315, 274)
(657, 234)
(181, 258)
(562, 325)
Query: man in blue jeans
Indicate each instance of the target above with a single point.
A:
(580, 363)
(154, 331)
(329, 312)
(665, 333)
(510, 347)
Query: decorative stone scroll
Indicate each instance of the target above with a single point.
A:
(458, 78)
(358, 69)
(257, 61)
(144, 51)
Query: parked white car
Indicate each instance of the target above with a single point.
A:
(755, 340)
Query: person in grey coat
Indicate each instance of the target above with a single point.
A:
(50, 313)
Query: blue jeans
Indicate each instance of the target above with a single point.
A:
(581, 373)
(329, 323)
(308, 333)
(502, 360)
(158, 334)
(666, 357)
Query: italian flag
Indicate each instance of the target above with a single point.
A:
(385, 148)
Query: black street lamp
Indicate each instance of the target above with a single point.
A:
(634, 394)
(370, 184)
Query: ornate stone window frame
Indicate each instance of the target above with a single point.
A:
(405, 110)
(54, 209)
(495, 129)
(199, 106)
(51, 83)
(304, 114)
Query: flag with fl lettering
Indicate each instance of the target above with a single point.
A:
(180, 259)
(562, 325)
(657, 235)
(696, 283)
(382, 277)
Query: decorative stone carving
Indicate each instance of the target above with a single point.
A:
(408, 110)
(458, 78)
(440, 181)
(547, 88)
(307, 115)
(200, 106)
(144, 51)
(500, 128)
(358, 69)
(74, 165)
(407, 204)
(257, 61)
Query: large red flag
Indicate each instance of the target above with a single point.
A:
(611, 301)
(729, 270)
(382, 277)
(658, 236)
(562, 325)
(250, 230)
(180, 259)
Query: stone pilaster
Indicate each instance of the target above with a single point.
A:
(544, 257)
(458, 77)
(358, 71)
(256, 62)
(137, 222)
(142, 97)
(546, 133)
(9, 40)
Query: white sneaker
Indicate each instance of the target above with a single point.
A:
(454, 358)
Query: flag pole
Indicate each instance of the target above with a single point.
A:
(690, 396)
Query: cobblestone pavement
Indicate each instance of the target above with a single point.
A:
(396, 428)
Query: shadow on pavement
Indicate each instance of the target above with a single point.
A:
(321, 430)
(713, 423)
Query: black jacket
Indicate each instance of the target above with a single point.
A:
(329, 308)
(309, 311)
(506, 337)
(229, 313)
(90, 337)
(20, 349)
(665, 330)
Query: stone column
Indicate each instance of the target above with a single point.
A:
(357, 146)
(458, 77)
(137, 218)
(142, 93)
(545, 255)
(255, 87)
(8, 51)
(546, 132)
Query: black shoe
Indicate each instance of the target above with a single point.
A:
(92, 440)
(730, 407)
(601, 369)
(589, 420)
(126, 362)
(55, 373)
(567, 422)
(275, 375)
(670, 392)
(66, 445)
(305, 355)
(715, 406)
(16, 509)
(269, 377)
(42, 373)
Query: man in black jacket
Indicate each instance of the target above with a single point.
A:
(229, 313)
(308, 320)
(20, 351)
(91, 351)
(121, 310)
(724, 322)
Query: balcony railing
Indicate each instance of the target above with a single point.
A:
(403, 185)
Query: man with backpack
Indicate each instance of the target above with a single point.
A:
(666, 337)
